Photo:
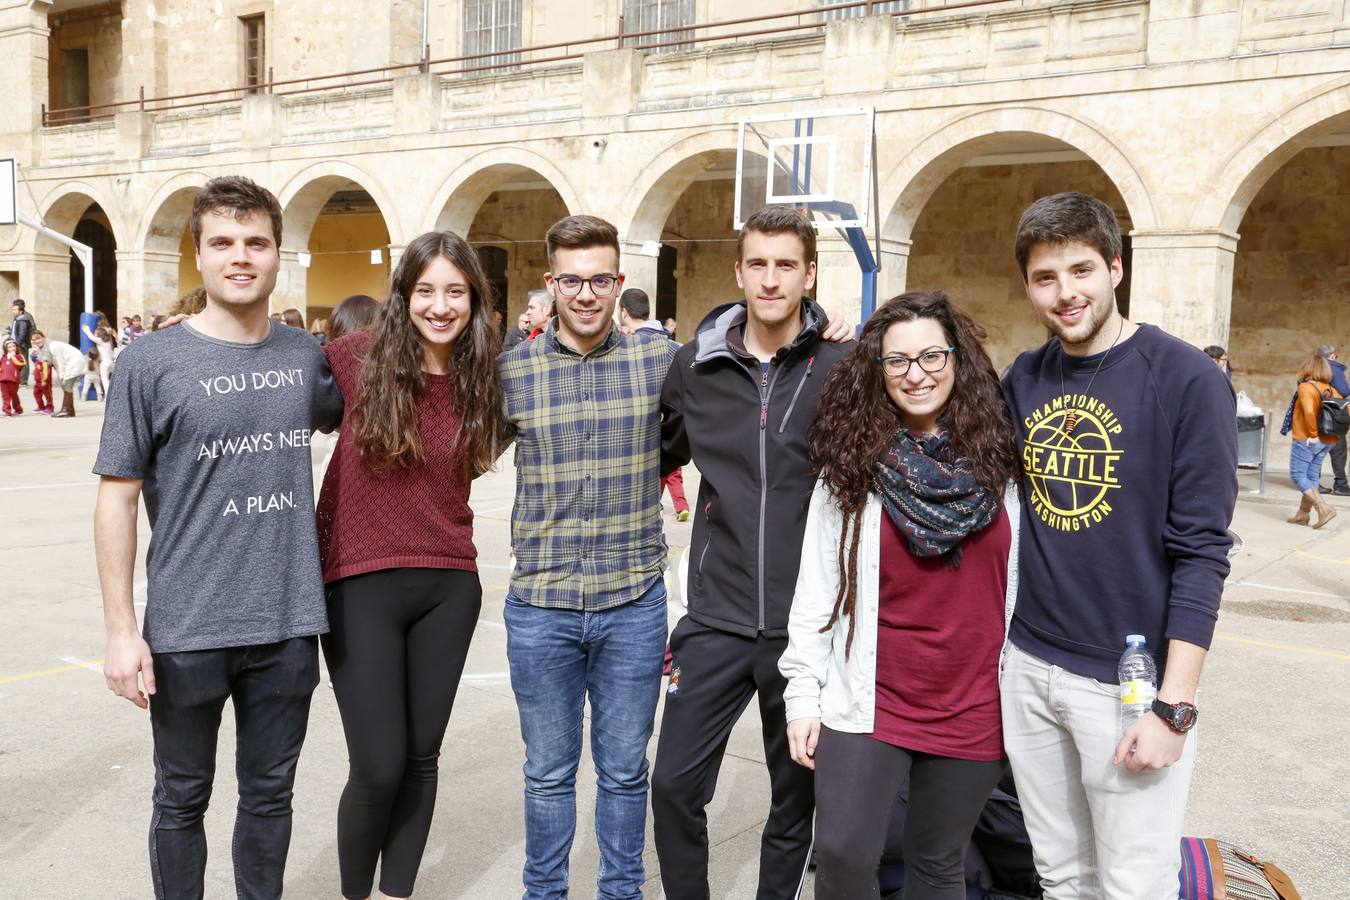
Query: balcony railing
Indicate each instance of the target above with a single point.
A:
(681, 37)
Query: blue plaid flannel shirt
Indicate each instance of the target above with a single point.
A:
(586, 525)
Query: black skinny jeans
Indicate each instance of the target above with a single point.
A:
(270, 686)
(395, 649)
(857, 778)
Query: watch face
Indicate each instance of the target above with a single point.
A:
(1184, 716)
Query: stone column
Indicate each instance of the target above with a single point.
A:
(147, 282)
(292, 285)
(1182, 281)
(894, 275)
(142, 32)
(44, 284)
(638, 261)
(838, 278)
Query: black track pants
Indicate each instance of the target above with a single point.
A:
(396, 650)
(718, 674)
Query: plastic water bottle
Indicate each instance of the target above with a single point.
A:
(1138, 680)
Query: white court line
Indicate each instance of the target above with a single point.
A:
(48, 487)
(1272, 587)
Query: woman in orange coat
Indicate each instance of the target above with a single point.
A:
(1310, 447)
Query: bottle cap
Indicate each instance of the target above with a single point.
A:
(1132, 639)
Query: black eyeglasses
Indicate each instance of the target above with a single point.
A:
(897, 365)
(601, 285)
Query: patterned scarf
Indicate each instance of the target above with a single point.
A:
(931, 495)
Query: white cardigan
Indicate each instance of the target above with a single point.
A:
(820, 684)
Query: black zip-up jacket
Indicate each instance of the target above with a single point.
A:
(746, 431)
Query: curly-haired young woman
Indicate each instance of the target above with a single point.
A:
(901, 604)
(396, 542)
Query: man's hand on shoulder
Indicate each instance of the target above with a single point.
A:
(1156, 746)
(837, 331)
(127, 656)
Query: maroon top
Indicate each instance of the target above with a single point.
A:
(939, 635)
(403, 518)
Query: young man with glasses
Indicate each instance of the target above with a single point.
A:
(739, 402)
(586, 611)
(1130, 458)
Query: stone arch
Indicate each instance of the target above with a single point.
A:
(456, 202)
(167, 213)
(66, 204)
(1241, 175)
(304, 195)
(648, 203)
(908, 185)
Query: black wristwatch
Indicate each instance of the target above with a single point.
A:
(1180, 717)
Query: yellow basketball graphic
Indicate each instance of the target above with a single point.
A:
(1071, 464)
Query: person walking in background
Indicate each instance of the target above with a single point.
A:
(22, 330)
(1340, 486)
(907, 581)
(1220, 358)
(93, 376)
(105, 342)
(538, 309)
(12, 362)
(1309, 447)
(42, 381)
(68, 367)
(396, 545)
(355, 313)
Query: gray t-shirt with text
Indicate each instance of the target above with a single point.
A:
(219, 434)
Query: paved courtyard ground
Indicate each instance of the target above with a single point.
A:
(75, 767)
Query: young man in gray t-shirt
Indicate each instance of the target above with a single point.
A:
(211, 422)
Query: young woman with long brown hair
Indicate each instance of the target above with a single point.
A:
(906, 582)
(396, 543)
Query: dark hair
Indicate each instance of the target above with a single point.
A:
(239, 195)
(1067, 218)
(356, 313)
(857, 420)
(1214, 351)
(384, 414)
(37, 332)
(191, 303)
(104, 333)
(635, 302)
(780, 219)
(18, 301)
(1315, 368)
(579, 233)
(293, 318)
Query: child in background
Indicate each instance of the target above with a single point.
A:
(11, 363)
(93, 375)
(42, 382)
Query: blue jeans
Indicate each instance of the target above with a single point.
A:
(558, 659)
(270, 686)
(1305, 464)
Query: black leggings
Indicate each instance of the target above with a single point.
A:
(396, 650)
(857, 779)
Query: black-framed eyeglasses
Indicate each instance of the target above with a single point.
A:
(601, 285)
(897, 365)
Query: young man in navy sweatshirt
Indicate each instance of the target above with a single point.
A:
(1130, 462)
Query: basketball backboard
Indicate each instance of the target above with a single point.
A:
(9, 192)
(817, 160)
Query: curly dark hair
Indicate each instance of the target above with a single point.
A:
(385, 412)
(858, 419)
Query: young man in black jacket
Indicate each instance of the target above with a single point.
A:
(738, 401)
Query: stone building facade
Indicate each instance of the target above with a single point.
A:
(1219, 130)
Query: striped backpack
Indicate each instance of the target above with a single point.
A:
(1216, 870)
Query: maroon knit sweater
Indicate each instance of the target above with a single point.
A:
(402, 518)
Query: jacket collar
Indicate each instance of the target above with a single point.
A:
(554, 344)
(721, 334)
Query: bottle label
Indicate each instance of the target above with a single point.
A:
(1133, 693)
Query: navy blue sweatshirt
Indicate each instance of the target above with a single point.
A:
(1125, 520)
